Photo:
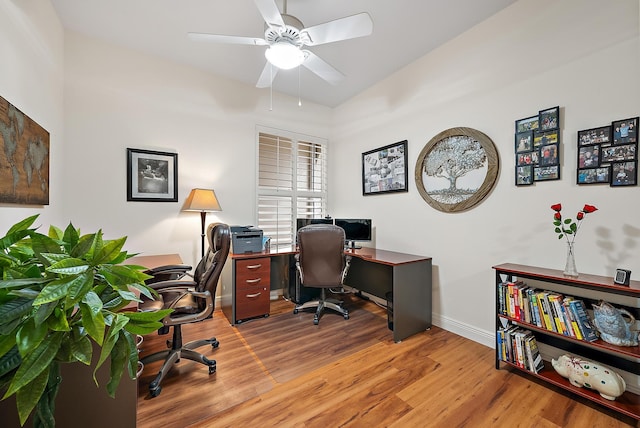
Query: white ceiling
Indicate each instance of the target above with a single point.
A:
(403, 31)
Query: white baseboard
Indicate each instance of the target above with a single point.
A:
(486, 338)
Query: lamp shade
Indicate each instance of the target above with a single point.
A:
(203, 200)
(285, 55)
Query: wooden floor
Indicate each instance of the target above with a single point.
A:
(432, 379)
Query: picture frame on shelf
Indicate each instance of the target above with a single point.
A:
(624, 173)
(589, 156)
(524, 142)
(623, 152)
(546, 173)
(385, 169)
(152, 176)
(600, 135)
(625, 131)
(541, 138)
(527, 124)
(549, 119)
(524, 175)
(599, 175)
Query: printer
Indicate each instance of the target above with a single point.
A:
(246, 239)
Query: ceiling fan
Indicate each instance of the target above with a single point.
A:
(285, 36)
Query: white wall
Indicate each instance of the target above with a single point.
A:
(583, 55)
(31, 75)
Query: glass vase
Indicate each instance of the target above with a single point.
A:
(570, 265)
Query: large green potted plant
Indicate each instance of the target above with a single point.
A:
(61, 295)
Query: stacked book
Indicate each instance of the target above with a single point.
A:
(545, 309)
(519, 347)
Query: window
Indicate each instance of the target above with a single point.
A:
(292, 182)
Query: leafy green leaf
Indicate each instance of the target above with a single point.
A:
(10, 360)
(36, 362)
(109, 251)
(58, 322)
(119, 356)
(30, 335)
(28, 397)
(69, 266)
(15, 309)
(71, 237)
(93, 321)
(43, 312)
(83, 247)
(82, 350)
(53, 291)
(109, 343)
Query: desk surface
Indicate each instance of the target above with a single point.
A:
(386, 257)
(153, 261)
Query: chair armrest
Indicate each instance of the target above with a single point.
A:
(180, 291)
(160, 286)
(165, 271)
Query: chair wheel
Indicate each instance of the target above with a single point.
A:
(212, 369)
(346, 316)
(295, 311)
(154, 392)
(266, 315)
(215, 344)
(316, 321)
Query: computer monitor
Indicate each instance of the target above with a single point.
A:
(355, 229)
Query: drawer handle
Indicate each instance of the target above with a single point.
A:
(253, 295)
(258, 266)
(253, 281)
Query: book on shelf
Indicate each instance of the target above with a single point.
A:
(536, 364)
(547, 315)
(570, 319)
(556, 307)
(583, 320)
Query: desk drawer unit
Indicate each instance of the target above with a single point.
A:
(252, 287)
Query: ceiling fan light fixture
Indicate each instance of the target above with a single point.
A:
(284, 55)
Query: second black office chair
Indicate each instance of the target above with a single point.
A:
(322, 263)
(191, 300)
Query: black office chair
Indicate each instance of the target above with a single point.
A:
(322, 263)
(192, 301)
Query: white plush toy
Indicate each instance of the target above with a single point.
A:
(591, 375)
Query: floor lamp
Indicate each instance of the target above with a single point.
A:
(204, 201)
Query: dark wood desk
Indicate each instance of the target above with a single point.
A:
(374, 272)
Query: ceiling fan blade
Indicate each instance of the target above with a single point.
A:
(270, 13)
(220, 38)
(350, 27)
(323, 70)
(268, 74)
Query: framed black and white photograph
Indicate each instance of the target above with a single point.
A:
(624, 173)
(601, 135)
(524, 175)
(541, 138)
(619, 153)
(589, 156)
(384, 170)
(524, 141)
(152, 176)
(549, 119)
(600, 175)
(625, 131)
(546, 173)
(527, 124)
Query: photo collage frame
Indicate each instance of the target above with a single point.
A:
(609, 154)
(537, 147)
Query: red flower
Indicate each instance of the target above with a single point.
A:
(568, 228)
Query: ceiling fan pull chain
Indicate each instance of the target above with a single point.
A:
(299, 100)
(271, 88)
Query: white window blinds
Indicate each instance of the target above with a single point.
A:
(292, 183)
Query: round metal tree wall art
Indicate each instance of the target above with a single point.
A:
(457, 169)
